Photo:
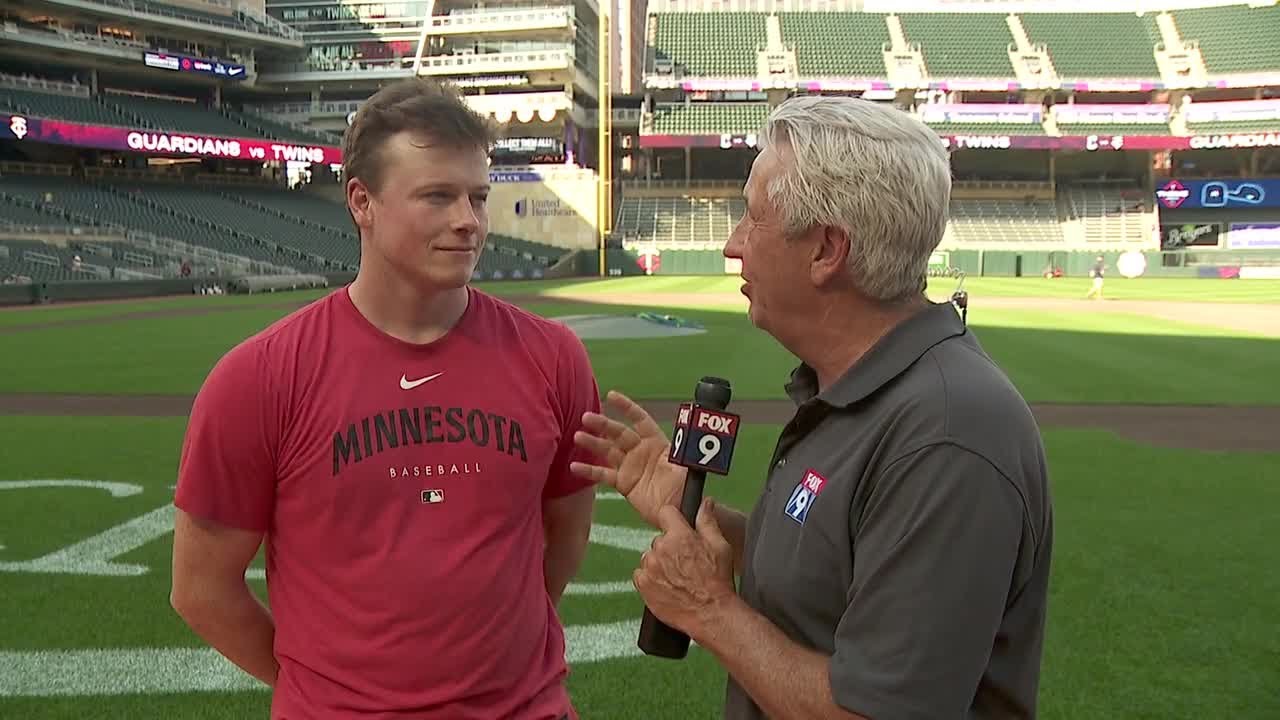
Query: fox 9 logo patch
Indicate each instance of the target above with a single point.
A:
(804, 496)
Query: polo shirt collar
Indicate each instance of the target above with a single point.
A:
(889, 357)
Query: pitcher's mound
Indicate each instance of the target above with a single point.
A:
(640, 325)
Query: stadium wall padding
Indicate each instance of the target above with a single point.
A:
(554, 211)
(47, 292)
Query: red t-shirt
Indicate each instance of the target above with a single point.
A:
(400, 488)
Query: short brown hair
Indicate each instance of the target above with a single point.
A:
(418, 105)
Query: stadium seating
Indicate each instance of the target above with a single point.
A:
(709, 117)
(1113, 128)
(1228, 127)
(1106, 213)
(1235, 38)
(174, 116)
(43, 262)
(1074, 41)
(955, 128)
(12, 214)
(97, 205)
(124, 110)
(678, 219)
(961, 44)
(210, 205)
(1003, 220)
(711, 44)
(72, 108)
(315, 235)
(258, 125)
(836, 44)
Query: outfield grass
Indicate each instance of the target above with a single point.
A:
(1051, 356)
(1164, 583)
(1149, 617)
(1252, 291)
(1117, 288)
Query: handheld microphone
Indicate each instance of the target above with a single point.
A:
(703, 442)
(960, 298)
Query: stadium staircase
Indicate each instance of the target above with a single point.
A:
(1106, 213)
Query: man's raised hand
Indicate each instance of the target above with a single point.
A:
(634, 457)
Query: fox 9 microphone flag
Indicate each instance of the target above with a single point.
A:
(702, 441)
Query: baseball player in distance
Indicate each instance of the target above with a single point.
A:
(402, 448)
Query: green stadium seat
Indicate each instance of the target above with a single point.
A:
(957, 128)
(678, 219)
(176, 116)
(836, 44)
(1002, 220)
(709, 118)
(961, 44)
(72, 108)
(1107, 213)
(1234, 126)
(706, 44)
(1097, 45)
(1234, 38)
(1113, 129)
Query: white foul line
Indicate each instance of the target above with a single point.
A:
(102, 672)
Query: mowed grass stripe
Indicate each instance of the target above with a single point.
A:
(1161, 560)
(1050, 356)
(1117, 287)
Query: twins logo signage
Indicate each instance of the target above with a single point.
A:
(805, 494)
(703, 439)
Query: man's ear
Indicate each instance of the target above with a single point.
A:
(830, 255)
(359, 202)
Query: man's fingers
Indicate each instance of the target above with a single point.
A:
(670, 520)
(636, 415)
(707, 525)
(625, 438)
(599, 447)
(595, 474)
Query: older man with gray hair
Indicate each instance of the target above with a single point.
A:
(896, 563)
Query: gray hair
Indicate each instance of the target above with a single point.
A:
(874, 171)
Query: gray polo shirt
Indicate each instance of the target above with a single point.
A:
(905, 529)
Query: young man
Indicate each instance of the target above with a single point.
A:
(403, 444)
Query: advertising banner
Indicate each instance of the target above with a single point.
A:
(189, 64)
(983, 113)
(154, 142)
(1209, 194)
(1232, 111)
(993, 141)
(1114, 114)
(1176, 237)
(1254, 236)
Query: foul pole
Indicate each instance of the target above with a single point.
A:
(604, 127)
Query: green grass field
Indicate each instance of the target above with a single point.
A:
(1164, 587)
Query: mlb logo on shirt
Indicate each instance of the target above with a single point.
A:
(805, 494)
(432, 496)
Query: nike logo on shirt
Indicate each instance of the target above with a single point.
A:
(407, 384)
